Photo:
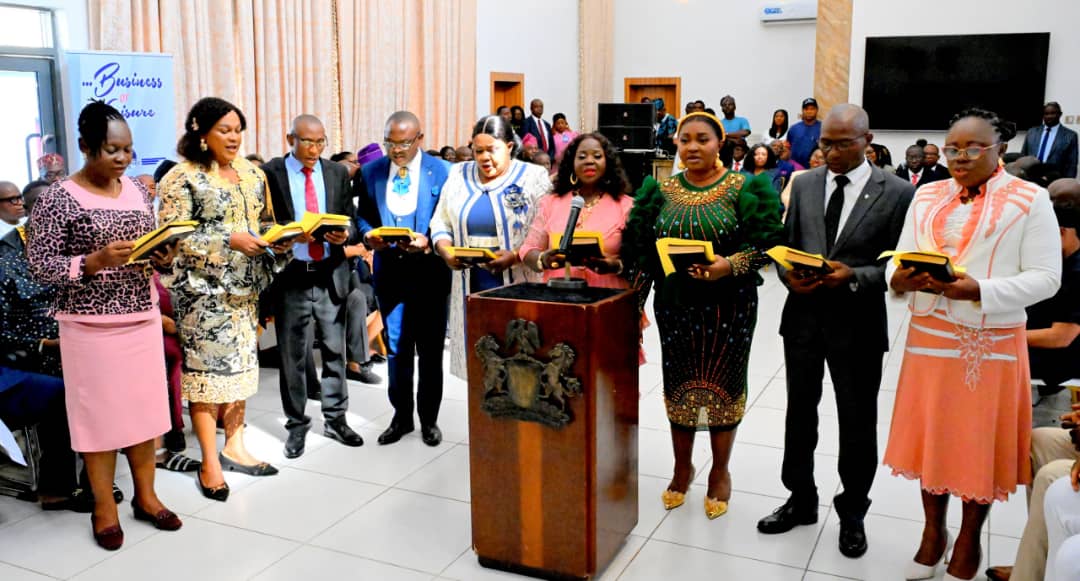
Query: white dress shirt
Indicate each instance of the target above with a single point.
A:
(858, 178)
(403, 205)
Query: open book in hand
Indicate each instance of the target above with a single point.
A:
(158, 239)
(583, 245)
(472, 256)
(799, 261)
(677, 254)
(394, 234)
(936, 264)
(312, 224)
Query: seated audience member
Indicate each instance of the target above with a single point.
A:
(563, 134)
(448, 153)
(778, 129)
(347, 159)
(51, 168)
(912, 170)
(148, 182)
(738, 153)
(12, 212)
(255, 159)
(464, 153)
(529, 147)
(542, 159)
(931, 156)
(817, 159)
(879, 155)
(504, 112)
(735, 127)
(784, 167)
(1053, 457)
(1062, 507)
(170, 448)
(1054, 324)
(761, 159)
(162, 169)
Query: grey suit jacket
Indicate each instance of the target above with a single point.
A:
(851, 314)
(1063, 152)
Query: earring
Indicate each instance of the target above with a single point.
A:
(681, 164)
(573, 179)
(202, 144)
(719, 164)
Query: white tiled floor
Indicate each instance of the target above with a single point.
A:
(401, 513)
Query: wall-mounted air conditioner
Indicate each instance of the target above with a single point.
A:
(788, 10)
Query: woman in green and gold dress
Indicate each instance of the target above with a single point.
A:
(706, 314)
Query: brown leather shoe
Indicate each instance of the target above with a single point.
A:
(165, 519)
(109, 539)
(999, 573)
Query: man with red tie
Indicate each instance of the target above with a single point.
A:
(540, 129)
(914, 170)
(309, 296)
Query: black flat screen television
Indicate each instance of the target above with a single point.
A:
(920, 82)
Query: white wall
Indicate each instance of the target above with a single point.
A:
(537, 39)
(934, 17)
(718, 47)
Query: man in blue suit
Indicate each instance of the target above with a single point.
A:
(1053, 143)
(411, 283)
(540, 129)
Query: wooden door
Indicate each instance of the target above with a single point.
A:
(507, 89)
(667, 88)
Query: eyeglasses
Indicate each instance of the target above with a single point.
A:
(971, 153)
(312, 143)
(392, 145)
(13, 200)
(827, 144)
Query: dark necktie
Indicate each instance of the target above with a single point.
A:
(833, 211)
(1042, 146)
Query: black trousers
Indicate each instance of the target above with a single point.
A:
(856, 376)
(304, 309)
(39, 399)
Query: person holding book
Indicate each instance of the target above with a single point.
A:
(402, 191)
(962, 422)
(705, 312)
(310, 295)
(219, 272)
(848, 212)
(80, 239)
(488, 203)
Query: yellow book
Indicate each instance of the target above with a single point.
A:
(319, 225)
(936, 264)
(283, 232)
(798, 260)
(677, 254)
(584, 245)
(157, 239)
(394, 234)
(472, 256)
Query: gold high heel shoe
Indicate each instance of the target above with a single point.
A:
(715, 508)
(673, 499)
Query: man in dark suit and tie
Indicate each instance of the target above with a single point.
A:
(540, 129)
(931, 156)
(1053, 143)
(412, 284)
(915, 169)
(848, 211)
(310, 295)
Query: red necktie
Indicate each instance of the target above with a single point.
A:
(543, 136)
(311, 203)
(914, 179)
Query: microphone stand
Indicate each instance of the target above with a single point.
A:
(567, 282)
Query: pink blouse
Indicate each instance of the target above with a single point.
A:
(562, 141)
(608, 217)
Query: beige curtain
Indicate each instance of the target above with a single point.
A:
(596, 58)
(350, 62)
(418, 55)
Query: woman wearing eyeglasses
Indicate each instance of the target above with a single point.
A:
(962, 420)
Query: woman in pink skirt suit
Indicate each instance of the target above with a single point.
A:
(962, 423)
(79, 239)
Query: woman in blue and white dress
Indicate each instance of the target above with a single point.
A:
(486, 203)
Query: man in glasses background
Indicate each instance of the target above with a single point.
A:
(309, 296)
(12, 210)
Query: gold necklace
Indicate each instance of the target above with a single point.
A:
(587, 209)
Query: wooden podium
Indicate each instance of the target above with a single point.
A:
(553, 419)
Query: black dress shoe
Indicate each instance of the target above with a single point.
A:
(852, 538)
(315, 395)
(260, 469)
(365, 375)
(786, 518)
(340, 431)
(431, 435)
(220, 493)
(395, 432)
(376, 358)
(294, 444)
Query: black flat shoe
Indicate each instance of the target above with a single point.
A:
(340, 431)
(786, 518)
(294, 444)
(394, 433)
(164, 520)
(81, 500)
(852, 538)
(260, 469)
(431, 435)
(220, 493)
(365, 375)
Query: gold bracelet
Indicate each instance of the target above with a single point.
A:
(540, 262)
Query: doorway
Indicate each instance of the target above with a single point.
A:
(507, 89)
(667, 88)
(26, 97)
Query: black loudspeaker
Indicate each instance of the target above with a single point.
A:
(629, 137)
(626, 115)
(637, 165)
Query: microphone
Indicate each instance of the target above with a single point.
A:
(576, 204)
